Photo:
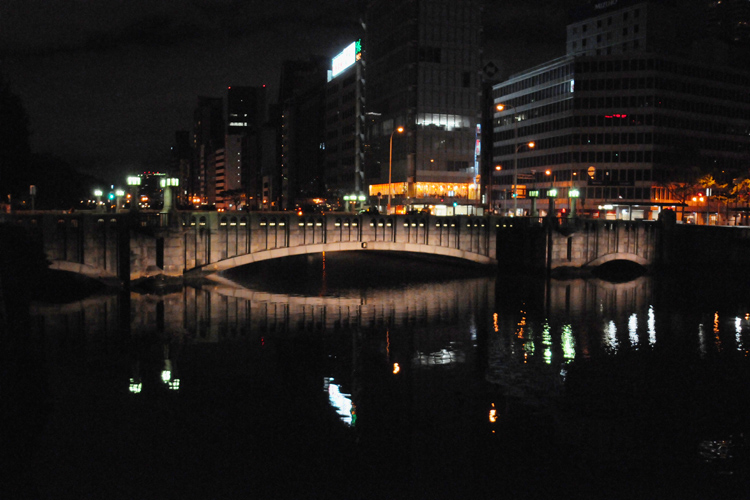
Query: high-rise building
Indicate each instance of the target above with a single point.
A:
(302, 132)
(614, 126)
(729, 20)
(180, 165)
(344, 125)
(423, 60)
(247, 111)
(208, 136)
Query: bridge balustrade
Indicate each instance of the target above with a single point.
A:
(416, 230)
(345, 230)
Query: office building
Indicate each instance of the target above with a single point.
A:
(208, 136)
(345, 126)
(301, 132)
(423, 60)
(247, 112)
(613, 123)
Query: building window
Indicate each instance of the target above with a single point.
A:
(624, 32)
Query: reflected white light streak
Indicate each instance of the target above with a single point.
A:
(442, 357)
(738, 332)
(651, 326)
(340, 401)
(633, 329)
(702, 340)
(610, 331)
(568, 342)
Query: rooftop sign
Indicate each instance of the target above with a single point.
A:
(346, 58)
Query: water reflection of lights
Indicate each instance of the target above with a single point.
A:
(396, 368)
(610, 332)
(441, 357)
(135, 386)
(521, 325)
(340, 401)
(651, 325)
(167, 374)
(493, 414)
(716, 331)
(568, 343)
(633, 329)
(547, 342)
(702, 340)
(494, 323)
(738, 333)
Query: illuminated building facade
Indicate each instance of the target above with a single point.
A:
(612, 126)
(423, 60)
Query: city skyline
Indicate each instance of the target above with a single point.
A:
(106, 89)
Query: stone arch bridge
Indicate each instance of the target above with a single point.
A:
(129, 246)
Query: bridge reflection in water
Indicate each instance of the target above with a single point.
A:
(535, 323)
(426, 378)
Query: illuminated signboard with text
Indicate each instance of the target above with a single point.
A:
(346, 58)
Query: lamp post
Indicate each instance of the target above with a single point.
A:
(490, 201)
(501, 107)
(390, 166)
(98, 193)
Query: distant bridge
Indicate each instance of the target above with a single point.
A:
(129, 246)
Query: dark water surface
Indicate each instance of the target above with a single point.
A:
(351, 376)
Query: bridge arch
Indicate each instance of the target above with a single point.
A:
(383, 246)
(619, 256)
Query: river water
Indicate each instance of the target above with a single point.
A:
(370, 376)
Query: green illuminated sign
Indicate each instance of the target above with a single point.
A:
(552, 193)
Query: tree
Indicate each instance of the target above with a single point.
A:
(719, 192)
(681, 184)
(741, 193)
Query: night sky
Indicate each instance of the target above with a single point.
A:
(107, 83)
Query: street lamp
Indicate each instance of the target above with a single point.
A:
(490, 201)
(501, 107)
(390, 166)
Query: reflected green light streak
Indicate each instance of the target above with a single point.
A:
(568, 343)
(547, 341)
